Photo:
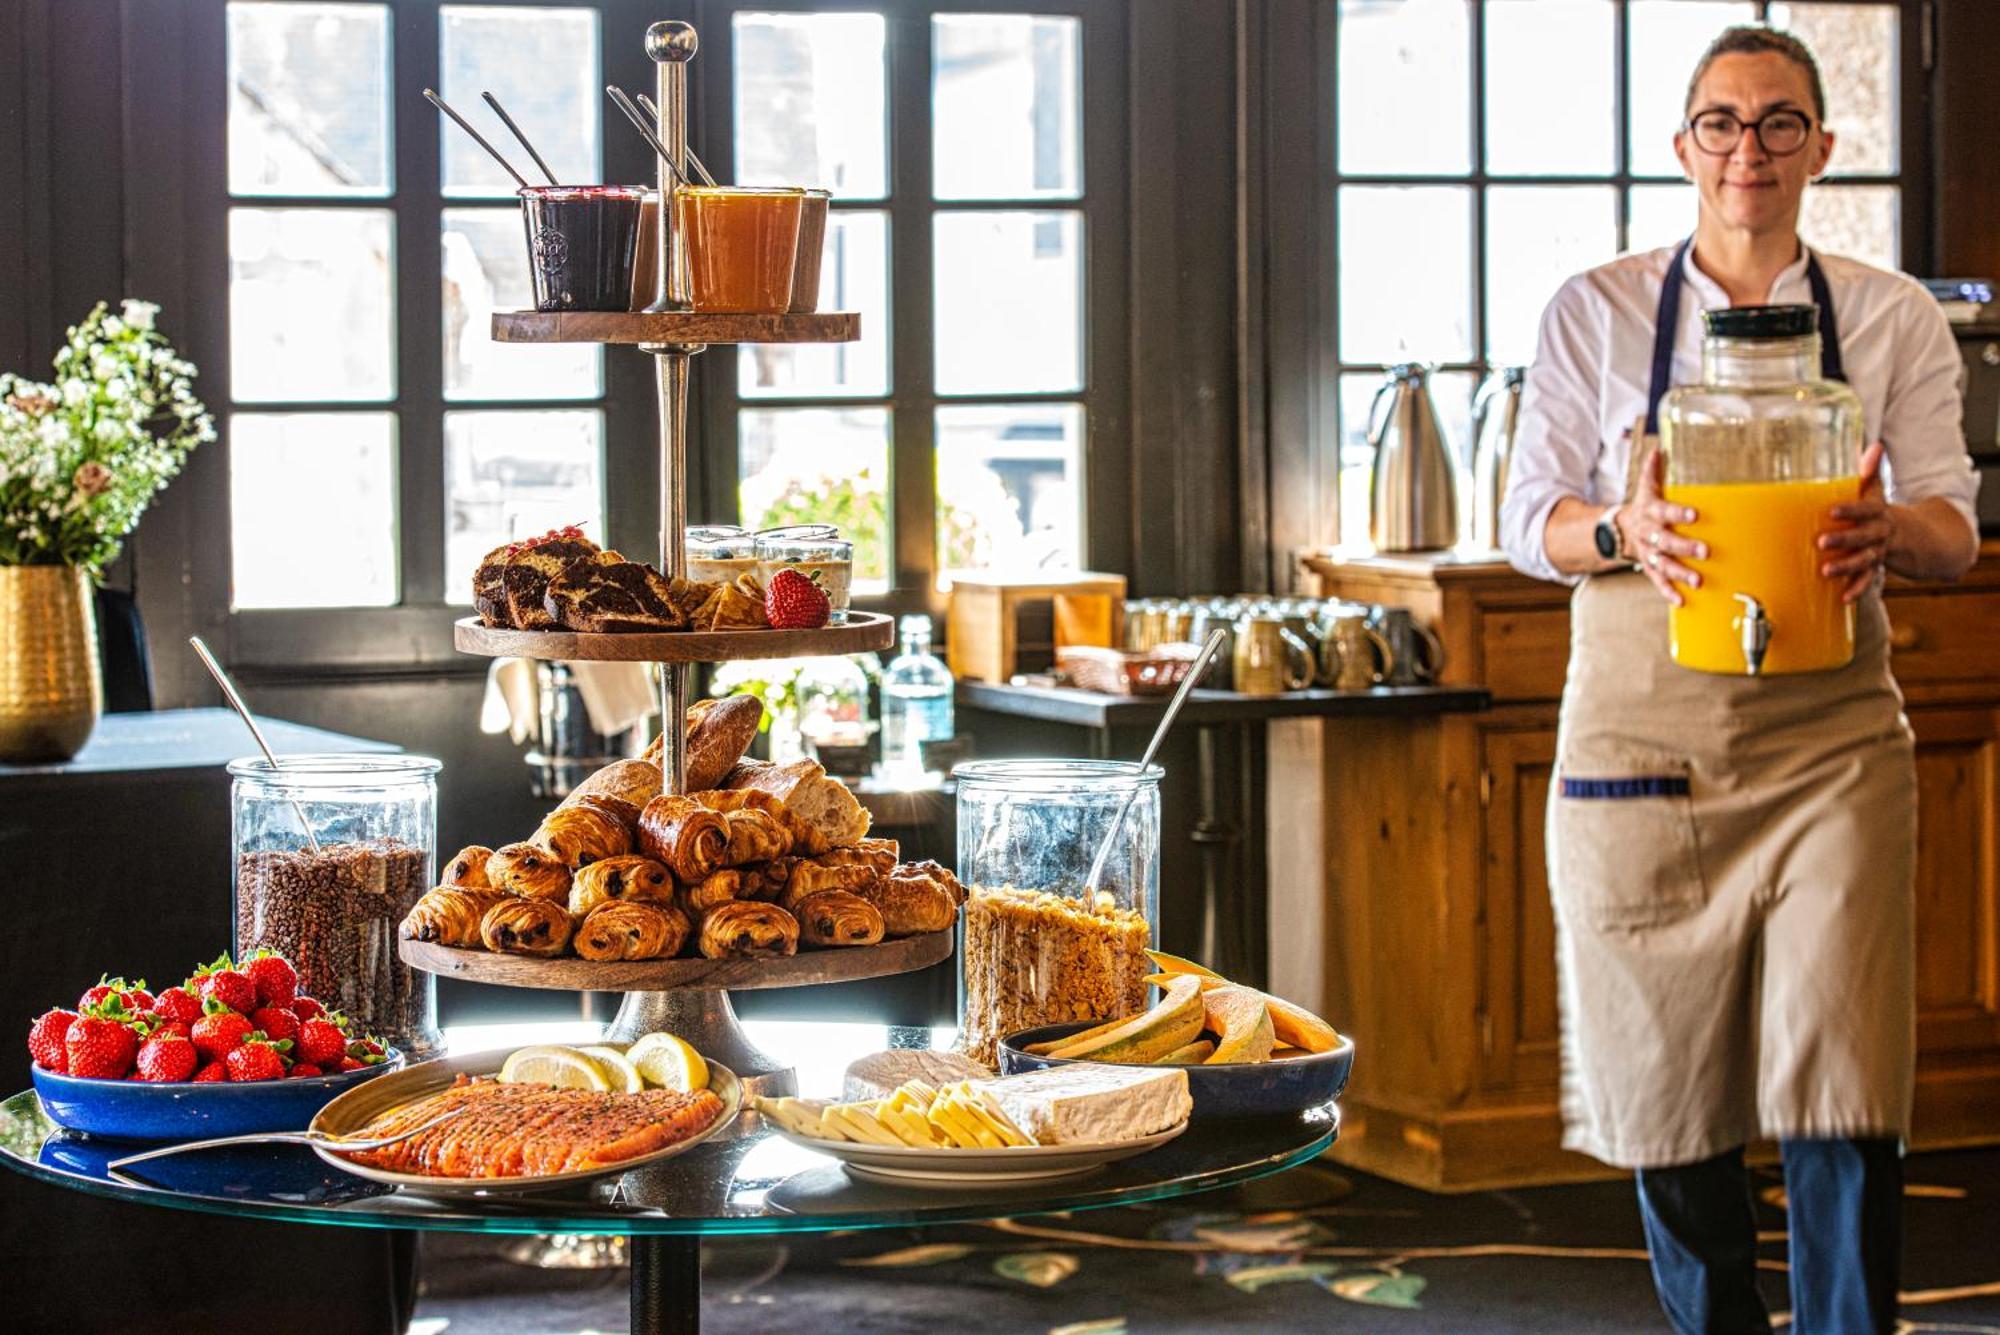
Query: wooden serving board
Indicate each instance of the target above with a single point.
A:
(838, 965)
(861, 632)
(681, 328)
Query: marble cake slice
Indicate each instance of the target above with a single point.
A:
(612, 599)
(489, 594)
(525, 578)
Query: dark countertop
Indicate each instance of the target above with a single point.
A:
(184, 739)
(1091, 709)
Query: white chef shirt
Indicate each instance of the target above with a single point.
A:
(1595, 355)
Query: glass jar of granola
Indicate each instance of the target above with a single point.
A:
(1043, 940)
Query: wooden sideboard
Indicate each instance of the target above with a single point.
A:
(1409, 853)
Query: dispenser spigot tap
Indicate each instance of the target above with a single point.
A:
(1755, 628)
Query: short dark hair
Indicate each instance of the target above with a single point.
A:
(1750, 39)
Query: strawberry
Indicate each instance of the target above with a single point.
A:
(254, 1059)
(794, 602)
(45, 1040)
(347, 1064)
(275, 1022)
(307, 1007)
(220, 1030)
(320, 1042)
(100, 1046)
(166, 1058)
(211, 1072)
(138, 998)
(109, 987)
(154, 1026)
(177, 1003)
(275, 979)
(230, 988)
(304, 1069)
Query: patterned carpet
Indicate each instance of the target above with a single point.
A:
(1317, 1248)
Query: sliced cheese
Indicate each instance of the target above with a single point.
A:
(1085, 1104)
(880, 1074)
(860, 1123)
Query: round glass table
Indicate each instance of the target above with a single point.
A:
(748, 1182)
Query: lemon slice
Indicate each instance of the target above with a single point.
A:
(622, 1074)
(565, 1068)
(668, 1061)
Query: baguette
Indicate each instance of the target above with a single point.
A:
(826, 812)
(718, 733)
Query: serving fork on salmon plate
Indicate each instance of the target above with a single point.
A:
(338, 1144)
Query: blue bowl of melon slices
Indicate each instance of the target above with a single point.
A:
(1246, 1053)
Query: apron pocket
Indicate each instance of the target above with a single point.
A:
(1625, 851)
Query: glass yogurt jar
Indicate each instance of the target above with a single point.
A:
(718, 553)
(816, 551)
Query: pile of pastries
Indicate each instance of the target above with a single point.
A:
(758, 861)
(564, 581)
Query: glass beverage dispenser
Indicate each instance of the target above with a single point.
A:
(1761, 450)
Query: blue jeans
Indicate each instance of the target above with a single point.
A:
(1846, 1202)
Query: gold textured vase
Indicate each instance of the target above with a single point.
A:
(50, 691)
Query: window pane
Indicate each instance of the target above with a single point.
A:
(854, 276)
(810, 103)
(1856, 46)
(312, 509)
(338, 267)
(820, 465)
(1404, 84)
(1005, 95)
(542, 64)
(513, 475)
(1451, 395)
(1010, 494)
(1405, 273)
(1857, 220)
(308, 99)
(1662, 215)
(1665, 39)
(485, 256)
(1009, 302)
(1537, 236)
(1534, 123)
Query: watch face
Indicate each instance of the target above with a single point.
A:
(1607, 539)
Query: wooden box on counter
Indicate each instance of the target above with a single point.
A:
(1410, 852)
(986, 640)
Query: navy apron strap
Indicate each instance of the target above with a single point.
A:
(1829, 329)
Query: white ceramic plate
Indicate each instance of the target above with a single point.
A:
(353, 1110)
(910, 1166)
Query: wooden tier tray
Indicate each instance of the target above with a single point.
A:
(674, 328)
(862, 632)
(574, 975)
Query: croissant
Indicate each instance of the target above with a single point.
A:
(727, 800)
(583, 834)
(911, 905)
(467, 868)
(449, 916)
(626, 877)
(811, 876)
(689, 837)
(765, 880)
(937, 874)
(837, 918)
(718, 889)
(630, 930)
(529, 870)
(744, 928)
(878, 855)
(520, 926)
(755, 836)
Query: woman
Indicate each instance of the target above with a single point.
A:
(1735, 927)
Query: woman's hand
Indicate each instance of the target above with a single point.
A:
(1645, 524)
(1860, 547)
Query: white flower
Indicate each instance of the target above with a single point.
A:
(117, 391)
(104, 367)
(113, 326)
(139, 314)
(75, 393)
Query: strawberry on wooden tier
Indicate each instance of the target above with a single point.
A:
(319, 1041)
(177, 1003)
(220, 1030)
(210, 1073)
(166, 1058)
(255, 1059)
(224, 983)
(275, 1022)
(794, 602)
(276, 981)
(45, 1040)
(99, 1044)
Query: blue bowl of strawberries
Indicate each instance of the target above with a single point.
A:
(234, 1050)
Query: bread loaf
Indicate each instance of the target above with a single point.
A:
(826, 813)
(623, 783)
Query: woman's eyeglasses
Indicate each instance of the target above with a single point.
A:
(1780, 132)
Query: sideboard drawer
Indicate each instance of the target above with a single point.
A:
(1524, 652)
(1943, 636)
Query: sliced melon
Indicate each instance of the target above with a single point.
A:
(1175, 964)
(1241, 1017)
(1047, 1048)
(1300, 1027)
(1193, 1054)
(1174, 1023)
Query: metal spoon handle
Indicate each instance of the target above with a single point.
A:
(478, 138)
(1195, 674)
(338, 1144)
(694, 159)
(243, 712)
(638, 118)
(515, 130)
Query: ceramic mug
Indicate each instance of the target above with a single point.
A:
(1209, 618)
(1418, 652)
(1270, 658)
(1364, 656)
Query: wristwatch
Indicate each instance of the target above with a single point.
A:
(1609, 541)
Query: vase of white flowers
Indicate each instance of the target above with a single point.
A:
(80, 459)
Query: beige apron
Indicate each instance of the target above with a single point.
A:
(1732, 861)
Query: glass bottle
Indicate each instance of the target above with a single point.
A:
(1761, 450)
(916, 701)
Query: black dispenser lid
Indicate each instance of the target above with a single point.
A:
(1761, 321)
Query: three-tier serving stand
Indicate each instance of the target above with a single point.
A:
(688, 997)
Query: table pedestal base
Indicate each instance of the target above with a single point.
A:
(704, 1017)
(666, 1285)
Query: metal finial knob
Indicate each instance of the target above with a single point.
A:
(671, 40)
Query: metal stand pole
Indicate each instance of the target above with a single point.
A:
(666, 1284)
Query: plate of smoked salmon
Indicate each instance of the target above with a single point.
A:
(515, 1137)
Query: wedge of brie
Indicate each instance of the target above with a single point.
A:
(880, 1074)
(1092, 1105)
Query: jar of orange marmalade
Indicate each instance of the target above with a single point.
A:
(741, 245)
